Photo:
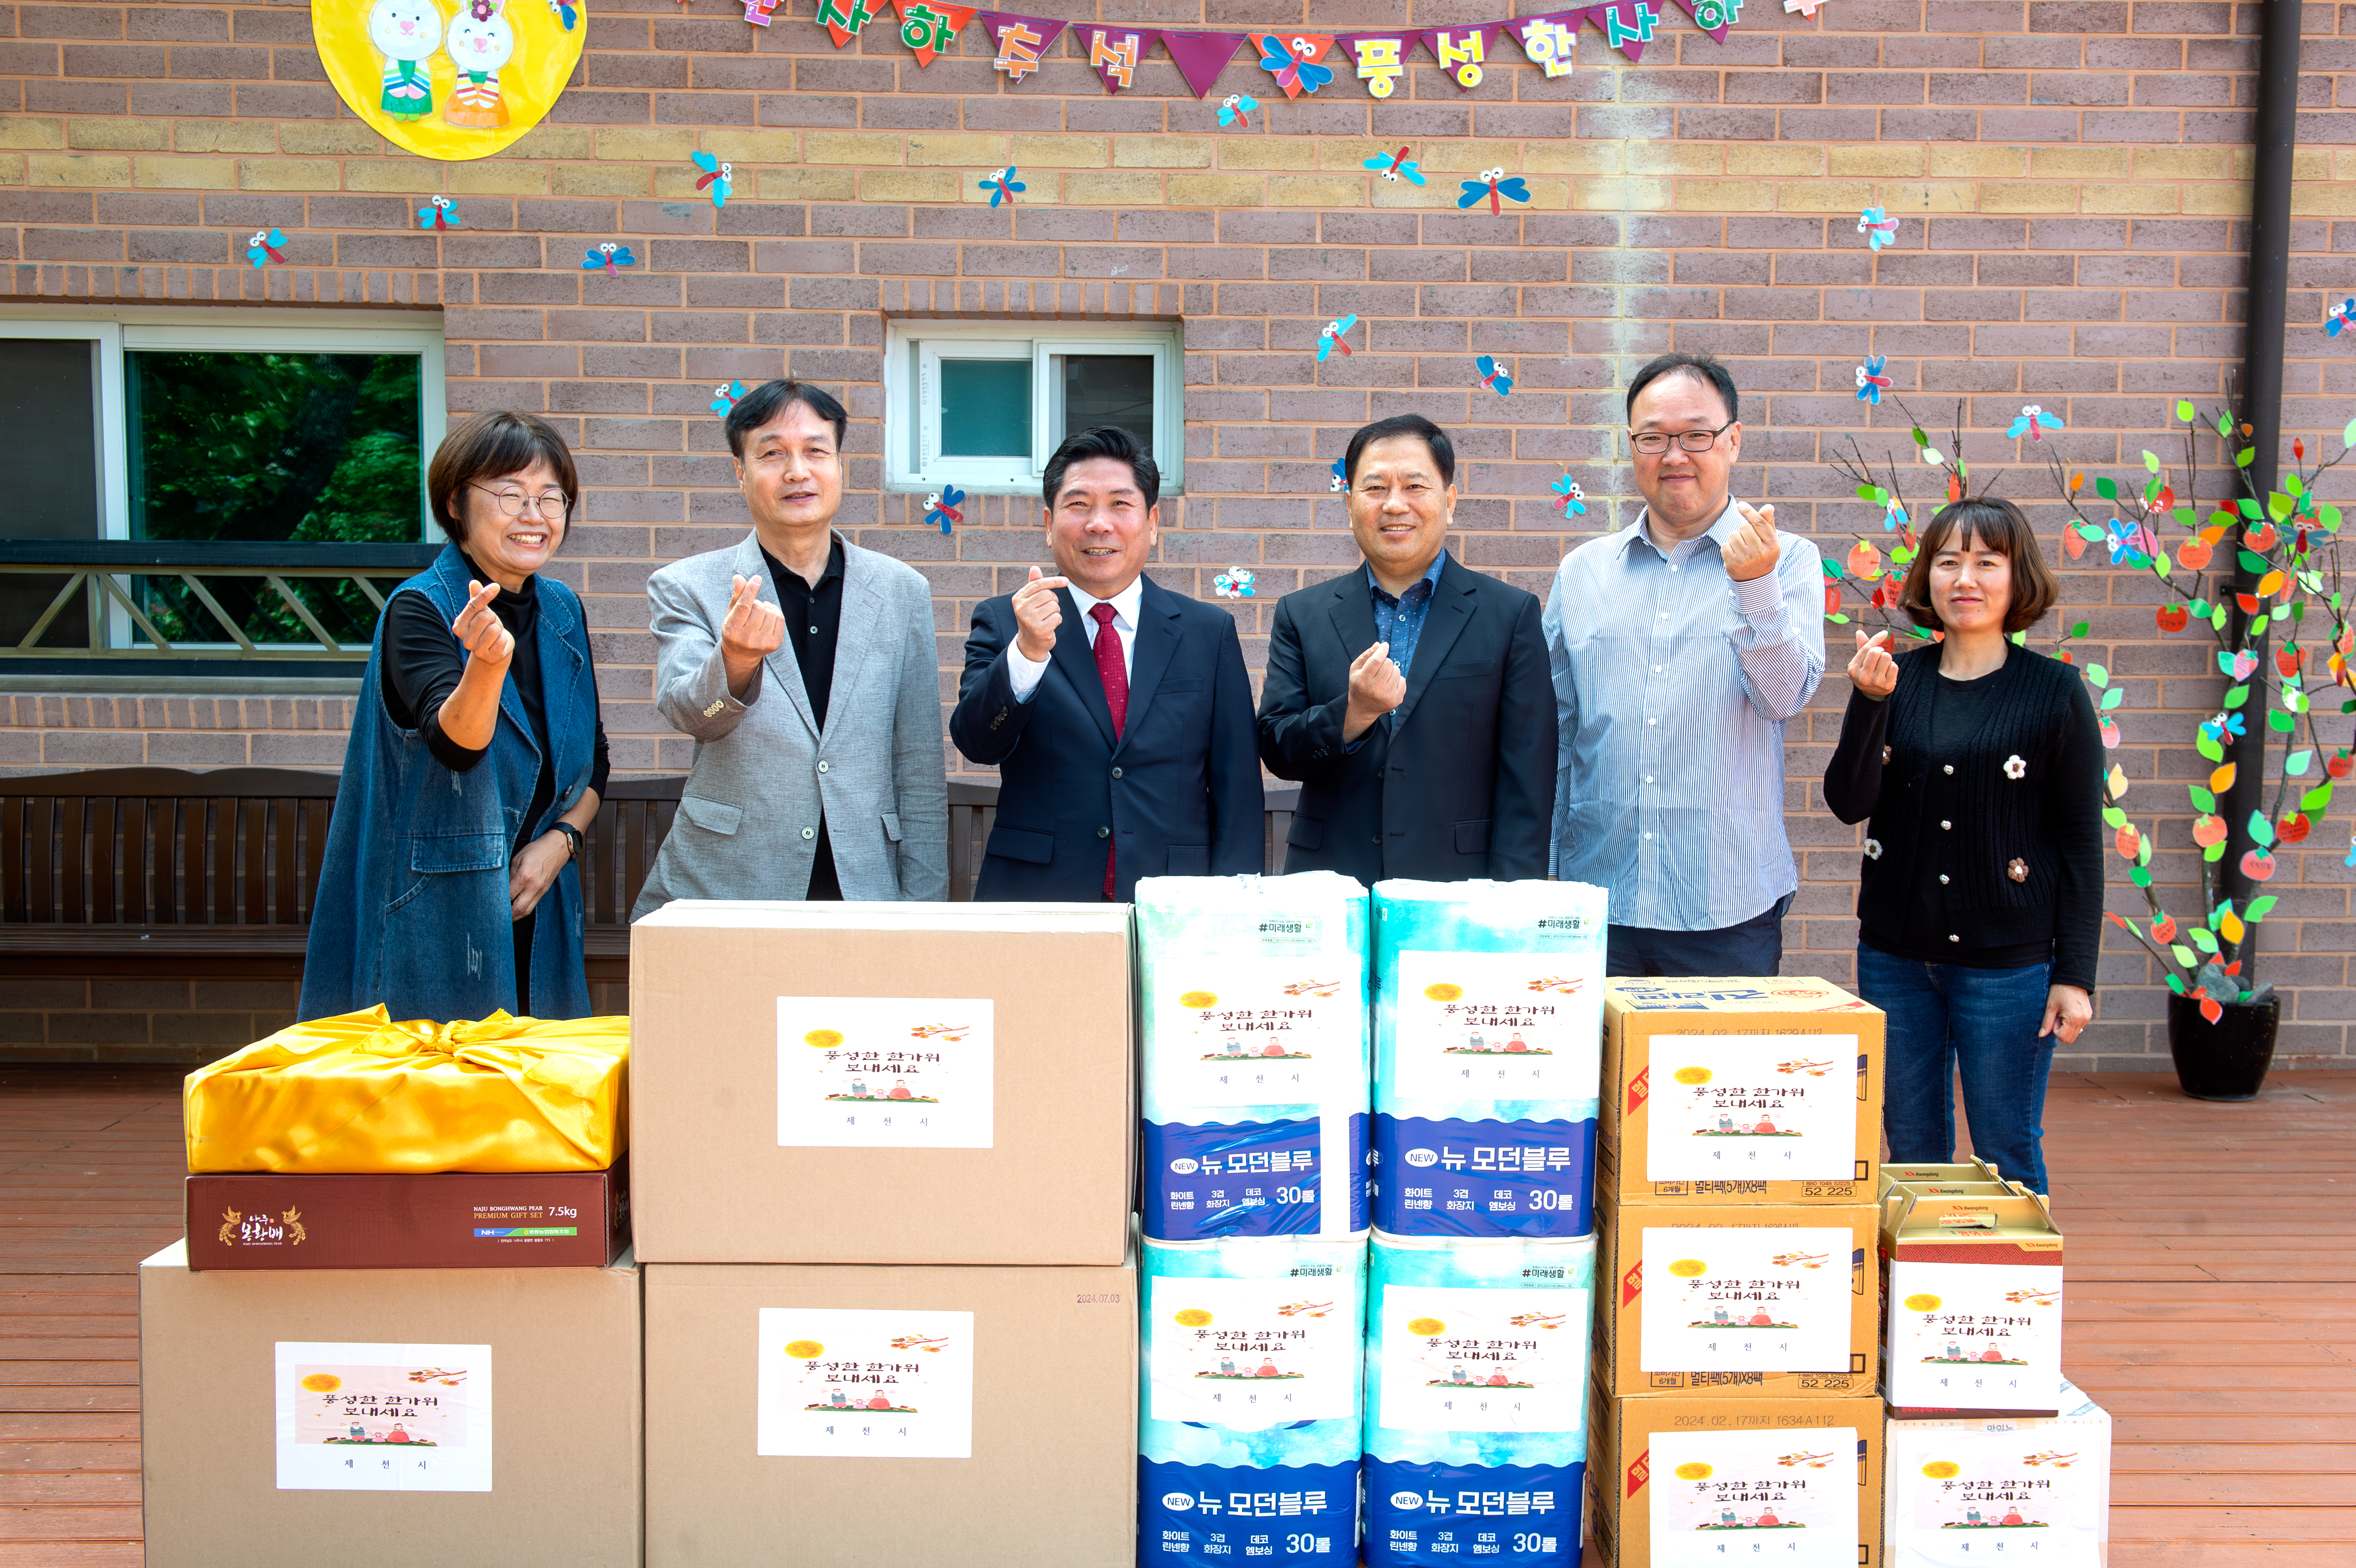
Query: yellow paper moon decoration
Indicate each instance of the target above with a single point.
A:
(1695, 1470)
(805, 1349)
(449, 79)
(1689, 1268)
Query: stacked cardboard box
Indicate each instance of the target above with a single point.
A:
(882, 1170)
(1736, 1233)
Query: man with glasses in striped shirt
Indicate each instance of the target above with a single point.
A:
(1680, 646)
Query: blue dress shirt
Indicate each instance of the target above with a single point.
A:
(1399, 620)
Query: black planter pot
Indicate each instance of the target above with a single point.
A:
(2226, 1060)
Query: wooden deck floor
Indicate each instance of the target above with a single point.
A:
(2213, 1309)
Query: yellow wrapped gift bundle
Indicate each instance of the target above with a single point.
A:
(360, 1092)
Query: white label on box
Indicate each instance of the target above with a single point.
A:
(865, 1384)
(1746, 1299)
(383, 1418)
(884, 1073)
(1752, 1107)
(1976, 1336)
(1962, 1497)
(1497, 1026)
(1787, 1498)
(1457, 1359)
(1261, 1032)
(1251, 1354)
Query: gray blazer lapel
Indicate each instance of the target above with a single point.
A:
(862, 612)
(783, 667)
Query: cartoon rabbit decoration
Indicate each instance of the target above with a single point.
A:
(480, 42)
(406, 32)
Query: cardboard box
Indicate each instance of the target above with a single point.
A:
(881, 1084)
(1006, 1431)
(1973, 1169)
(1681, 1481)
(450, 1220)
(374, 1416)
(1738, 1090)
(1971, 1489)
(1971, 1309)
(1664, 1275)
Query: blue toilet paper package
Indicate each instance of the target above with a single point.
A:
(1488, 1057)
(1252, 1361)
(1476, 1399)
(1255, 1069)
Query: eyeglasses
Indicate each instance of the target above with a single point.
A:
(550, 504)
(1652, 442)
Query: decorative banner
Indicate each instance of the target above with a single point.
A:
(1382, 61)
(1116, 54)
(844, 25)
(454, 89)
(1292, 58)
(1713, 16)
(1202, 56)
(927, 26)
(1461, 51)
(1550, 41)
(1628, 25)
(1022, 41)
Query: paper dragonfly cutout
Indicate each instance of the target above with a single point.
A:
(1570, 500)
(724, 399)
(439, 213)
(2340, 314)
(1234, 107)
(1341, 477)
(1233, 583)
(1295, 76)
(1335, 336)
(942, 508)
(566, 12)
(1397, 166)
(1492, 377)
(1001, 184)
(1871, 383)
(715, 178)
(2032, 422)
(608, 256)
(263, 247)
(1878, 230)
(1493, 184)
(2136, 544)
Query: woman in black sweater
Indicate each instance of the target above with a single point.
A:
(1980, 901)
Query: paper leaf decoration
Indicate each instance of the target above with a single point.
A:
(928, 27)
(1462, 52)
(1022, 41)
(1382, 61)
(1201, 57)
(607, 258)
(1292, 58)
(1493, 184)
(1871, 383)
(724, 399)
(1233, 583)
(844, 25)
(439, 213)
(264, 249)
(1550, 41)
(715, 178)
(1002, 186)
(2032, 422)
(1115, 53)
(1396, 166)
(1492, 377)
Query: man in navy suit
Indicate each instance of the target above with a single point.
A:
(1412, 696)
(1118, 712)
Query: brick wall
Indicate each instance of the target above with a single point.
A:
(2071, 180)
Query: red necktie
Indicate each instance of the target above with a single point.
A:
(1114, 674)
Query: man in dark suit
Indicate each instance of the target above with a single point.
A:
(1118, 712)
(1411, 696)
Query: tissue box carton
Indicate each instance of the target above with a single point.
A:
(473, 1417)
(447, 1219)
(881, 1084)
(1743, 1301)
(1765, 1090)
(1972, 1303)
(861, 1417)
(1689, 1480)
(1966, 1489)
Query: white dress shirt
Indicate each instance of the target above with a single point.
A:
(1023, 672)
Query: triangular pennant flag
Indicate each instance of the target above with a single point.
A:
(1117, 50)
(1627, 24)
(1382, 60)
(928, 27)
(1551, 41)
(1292, 58)
(844, 25)
(1023, 41)
(1714, 16)
(1461, 51)
(1200, 55)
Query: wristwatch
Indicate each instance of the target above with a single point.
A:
(572, 836)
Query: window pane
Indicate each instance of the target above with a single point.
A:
(986, 408)
(48, 471)
(1110, 389)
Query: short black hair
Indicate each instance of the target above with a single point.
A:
(1105, 441)
(1443, 451)
(1698, 367)
(1999, 526)
(770, 399)
(492, 446)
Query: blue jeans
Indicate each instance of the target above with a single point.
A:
(1984, 1021)
(1753, 948)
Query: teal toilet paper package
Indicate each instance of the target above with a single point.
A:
(1488, 1057)
(1476, 1399)
(1255, 1057)
(1251, 1357)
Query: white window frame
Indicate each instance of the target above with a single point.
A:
(912, 350)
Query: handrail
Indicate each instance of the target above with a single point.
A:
(96, 572)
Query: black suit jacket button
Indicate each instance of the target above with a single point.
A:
(1103, 832)
(1116, 772)
(1378, 838)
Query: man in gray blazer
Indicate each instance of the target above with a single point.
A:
(819, 771)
